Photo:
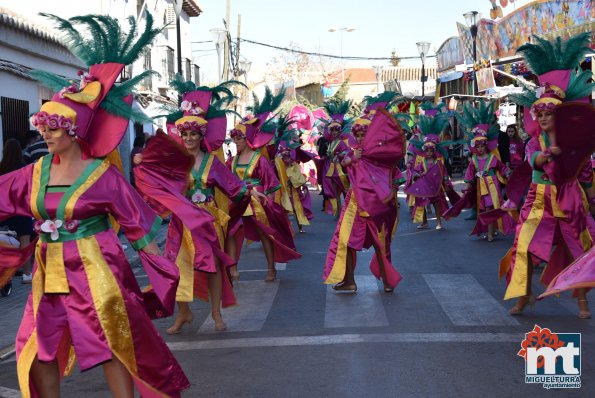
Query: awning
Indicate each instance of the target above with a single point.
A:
(450, 76)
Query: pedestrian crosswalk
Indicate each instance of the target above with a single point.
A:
(363, 308)
(461, 298)
(255, 299)
(466, 302)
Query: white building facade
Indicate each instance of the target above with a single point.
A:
(28, 41)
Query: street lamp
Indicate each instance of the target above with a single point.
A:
(378, 70)
(218, 35)
(471, 18)
(341, 30)
(423, 47)
(245, 66)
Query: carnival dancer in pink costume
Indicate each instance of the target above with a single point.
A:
(85, 305)
(370, 212)
(485, 172)
(293, 180)
(516, 148)
(267, 221)
(430, 180)
(336, 132)
(199, 199)
(554, 224)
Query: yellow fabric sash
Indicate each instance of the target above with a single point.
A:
(340, 264)
(518, 281)
(185, 262)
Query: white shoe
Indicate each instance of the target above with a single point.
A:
(27, 279)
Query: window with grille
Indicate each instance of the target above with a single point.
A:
(197, 75)
(15, 119)
(188, 70)
(171, 69)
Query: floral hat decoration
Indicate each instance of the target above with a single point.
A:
(481, 126)
(203, 110)
(337, 124)
(95, 110)
(260, 129)
(554, 63)
(431, 122)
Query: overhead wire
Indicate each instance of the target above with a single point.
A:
(293, 50)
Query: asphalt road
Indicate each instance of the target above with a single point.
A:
(444, 332)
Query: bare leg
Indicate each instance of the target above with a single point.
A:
(231, 248)
(380, 258)
(269, 253)
(46, 378)
(118, 379)
(215, 292)
(438, 216)
(348, 282)
(583, 304)
(491, 226)
(184, 317)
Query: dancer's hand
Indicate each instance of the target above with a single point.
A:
(151, 248)
(262, 198)
(137, 159)
(357, 153)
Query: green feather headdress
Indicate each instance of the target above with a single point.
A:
(472, 116)
(263, 108)
(101, 40)
(545, 56)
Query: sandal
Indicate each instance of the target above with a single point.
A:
(344, 286)
(584, 313)
(177, 328)
(271, 275)
(522, 303)
(220, 326)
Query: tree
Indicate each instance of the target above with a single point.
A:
(341, 94)
(290, 65)
(394, 58)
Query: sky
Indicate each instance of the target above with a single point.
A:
(380, 26)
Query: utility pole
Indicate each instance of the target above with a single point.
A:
(226, 48)
(236, 69)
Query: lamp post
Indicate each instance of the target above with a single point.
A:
(423, 47)
(471, 18)
(378, 70)
(219, 35)
(245, 66)
(341, 30)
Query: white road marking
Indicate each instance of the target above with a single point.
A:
(289, 341)
(466, 302)
(361, 309)
(9, 393)
(255, 299)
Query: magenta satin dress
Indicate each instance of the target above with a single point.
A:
(365, 221)
(439, 200)
(85, 304)
(269, 217)
(551, 218)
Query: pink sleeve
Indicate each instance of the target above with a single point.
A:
(470, 172)
(138, 221)
(265, 173)
(222, 177)
(15, 193)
